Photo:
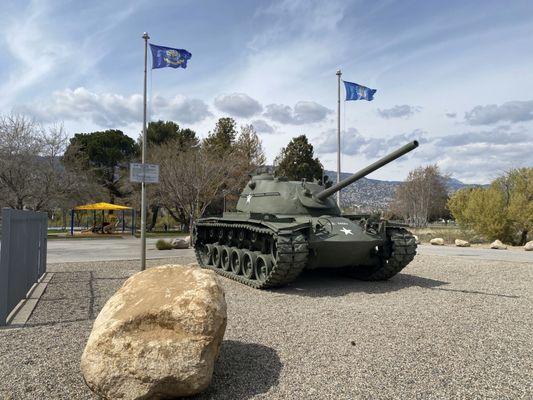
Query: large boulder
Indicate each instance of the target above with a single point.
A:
(498, 245)
(529, 246)
(461, 243)
(181, 243)
(158, 336)
(437, 241)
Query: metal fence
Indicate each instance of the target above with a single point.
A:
(22, 256)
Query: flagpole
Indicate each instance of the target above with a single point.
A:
(143, 160)
(339, 73)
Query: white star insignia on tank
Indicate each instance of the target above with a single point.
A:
(346, 231)
(249, 198)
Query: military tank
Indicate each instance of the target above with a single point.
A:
(282, 227)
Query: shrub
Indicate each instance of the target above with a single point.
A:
(162, 244)
(503, 210)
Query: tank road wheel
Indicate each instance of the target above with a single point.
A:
(236, 260)
(403, 246)
(205, 254)
(248, 263)
(217, 255)
(225, 262)
(258, 257)
(263, 267)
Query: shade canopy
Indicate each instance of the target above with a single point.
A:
(102, 206)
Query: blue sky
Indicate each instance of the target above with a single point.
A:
(456, 75)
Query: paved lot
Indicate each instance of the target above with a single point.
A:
(447, 327)
(60, 251)
(513, 254)
(127, 248)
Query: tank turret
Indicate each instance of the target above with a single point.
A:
(282, 227)
(267, 194)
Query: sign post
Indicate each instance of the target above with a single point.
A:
(147, 173)
(143, 188)
(144, 173)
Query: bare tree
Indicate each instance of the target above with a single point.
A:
(31, 173)
(422, 196)
(190, 180)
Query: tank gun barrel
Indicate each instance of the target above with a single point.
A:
(367, 170)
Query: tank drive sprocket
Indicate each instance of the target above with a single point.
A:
(402, 252)
(258, 257)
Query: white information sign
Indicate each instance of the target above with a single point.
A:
(147, 173)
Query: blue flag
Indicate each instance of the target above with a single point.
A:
(168, 57)
(358, 92)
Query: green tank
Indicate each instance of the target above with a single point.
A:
(282, 227)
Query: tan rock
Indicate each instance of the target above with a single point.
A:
(498, 245)
(529, 246)
(461, 243)
(158, 336)
(181, 243)
(437, 241)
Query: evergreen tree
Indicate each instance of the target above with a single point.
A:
(297, 161)
(221, 140)
(103, 153)
(160, 132)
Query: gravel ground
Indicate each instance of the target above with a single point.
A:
(445, 328)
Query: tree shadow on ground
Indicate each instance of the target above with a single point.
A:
(243, 370)
(332, 283)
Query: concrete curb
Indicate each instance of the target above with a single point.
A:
(22, 312)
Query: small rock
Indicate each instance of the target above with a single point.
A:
(529, 246)
(498, 245)
(437, 241)
(181, 243)
(158, 336)
(461, 243)
(417, 240)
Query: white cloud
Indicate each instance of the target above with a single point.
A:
(238, 105)
(499, 135)
(304, 112)
(113, 110)
(353, 143)
(482, 162)
(398, 111)
(512, 111)
(40, 52)
(262, 126)
(181, 109)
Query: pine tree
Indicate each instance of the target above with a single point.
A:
(297, 161)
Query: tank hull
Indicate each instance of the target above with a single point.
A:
(334, 242)
(337, 242)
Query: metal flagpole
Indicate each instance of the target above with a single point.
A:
(143, 184)
(339, 73)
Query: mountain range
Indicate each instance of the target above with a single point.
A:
(373, 194)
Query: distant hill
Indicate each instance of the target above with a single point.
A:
(373, 194)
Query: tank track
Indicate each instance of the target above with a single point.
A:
(290, 258)
(403, 251)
